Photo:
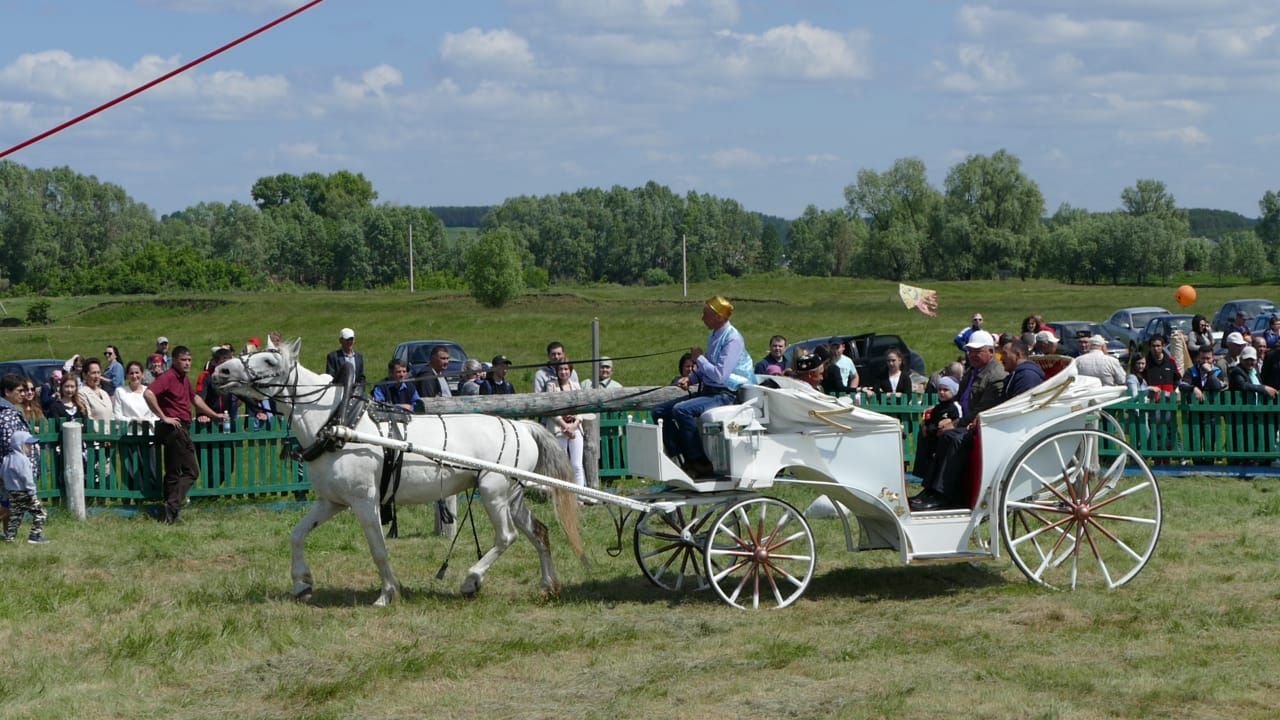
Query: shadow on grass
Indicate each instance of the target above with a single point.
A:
(894, 583)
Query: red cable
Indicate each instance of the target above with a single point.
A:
(159, 80)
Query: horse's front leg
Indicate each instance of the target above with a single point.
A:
(303, 583)
(495, 494)
(366, 511)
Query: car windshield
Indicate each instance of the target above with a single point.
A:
(421, 354)
(1254, 308)
(1140, 319)
(1098, 329)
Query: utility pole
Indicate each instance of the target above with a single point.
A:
(684, 263)
(410, 257)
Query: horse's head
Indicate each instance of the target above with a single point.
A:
(257, 375)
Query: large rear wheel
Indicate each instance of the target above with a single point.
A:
(1080, 508)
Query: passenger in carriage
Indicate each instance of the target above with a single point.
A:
(1046, 344)
(725, 367)
(942, 416)
(1024, 373)
(980, 389)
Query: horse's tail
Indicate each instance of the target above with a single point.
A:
(553, 461)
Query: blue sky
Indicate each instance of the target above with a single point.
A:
(775, 104)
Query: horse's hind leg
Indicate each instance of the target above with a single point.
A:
(321, 511)
(495, 494)
(537, 534)
(371, 522)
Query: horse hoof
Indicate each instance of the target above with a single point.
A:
(303, 595)
(470, 587)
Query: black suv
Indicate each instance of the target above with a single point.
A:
(867, 351)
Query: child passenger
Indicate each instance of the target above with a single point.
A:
(947, 410)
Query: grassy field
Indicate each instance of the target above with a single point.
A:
(633, 321)
(124, 617)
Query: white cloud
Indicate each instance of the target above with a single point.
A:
(738, 159)
(629, 15)
(984, 21)
(500, 50)
(58, 75)
(821, 158)
(301, 150)
(980, 71)
(624, 49)
(800, 51)
(373, 84)
(1237, 43)
(1189, 136)
(14, 113)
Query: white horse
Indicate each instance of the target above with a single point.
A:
(349, 477)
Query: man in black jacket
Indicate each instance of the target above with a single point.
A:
(345, 359)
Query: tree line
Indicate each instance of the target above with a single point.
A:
(62, 232)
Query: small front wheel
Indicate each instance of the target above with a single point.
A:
(760, 553)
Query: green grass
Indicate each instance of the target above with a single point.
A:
(121, 617)
(633, 321)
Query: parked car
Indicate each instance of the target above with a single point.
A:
(1259, 324)
(1251, 308)
(867, 351)
(418, 354)
(1069, 330)
(38, 370)
(1163, 325)
(1127, 323)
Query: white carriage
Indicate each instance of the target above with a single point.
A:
(1050, 477)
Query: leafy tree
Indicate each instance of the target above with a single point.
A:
(992, 210)
(1268, 227)
(493, 270)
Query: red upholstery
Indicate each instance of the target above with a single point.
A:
(1051, 364)
(973, 468)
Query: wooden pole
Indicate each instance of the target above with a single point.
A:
(591, 424)
(595, 400)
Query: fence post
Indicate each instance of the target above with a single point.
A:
(73, 469)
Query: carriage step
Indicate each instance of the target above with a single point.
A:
(947, 558)
(943, 514)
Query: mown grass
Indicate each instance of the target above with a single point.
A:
(633, 321)
(123, 617)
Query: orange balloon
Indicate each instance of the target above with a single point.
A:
(1186, 295)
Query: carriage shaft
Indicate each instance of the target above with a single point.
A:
(349, 435)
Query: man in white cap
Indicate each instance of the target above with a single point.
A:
(345, 359)
(1097, 363)
(1046, 344)
(162, 349)
(1235, 344)
(1244, 378)
(975, 324)
(980, 389)
(606, 375)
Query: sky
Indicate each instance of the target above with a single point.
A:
(775, 104)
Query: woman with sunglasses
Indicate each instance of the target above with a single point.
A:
(113, 369)
(31, 410)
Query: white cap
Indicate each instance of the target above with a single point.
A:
(1046, 336)
(1235, 338)
(1097, 341)
(1248, 353)
(980, 339)
(347, 334)
(162, 340)
(606, 362)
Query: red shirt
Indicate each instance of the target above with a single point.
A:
(173, 394)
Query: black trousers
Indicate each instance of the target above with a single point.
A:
(180, 466)
(949, 460)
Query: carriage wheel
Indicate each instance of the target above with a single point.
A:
(669, 546)
(760, 553)
(1080, 508)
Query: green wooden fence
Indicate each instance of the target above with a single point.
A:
(123, 462)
